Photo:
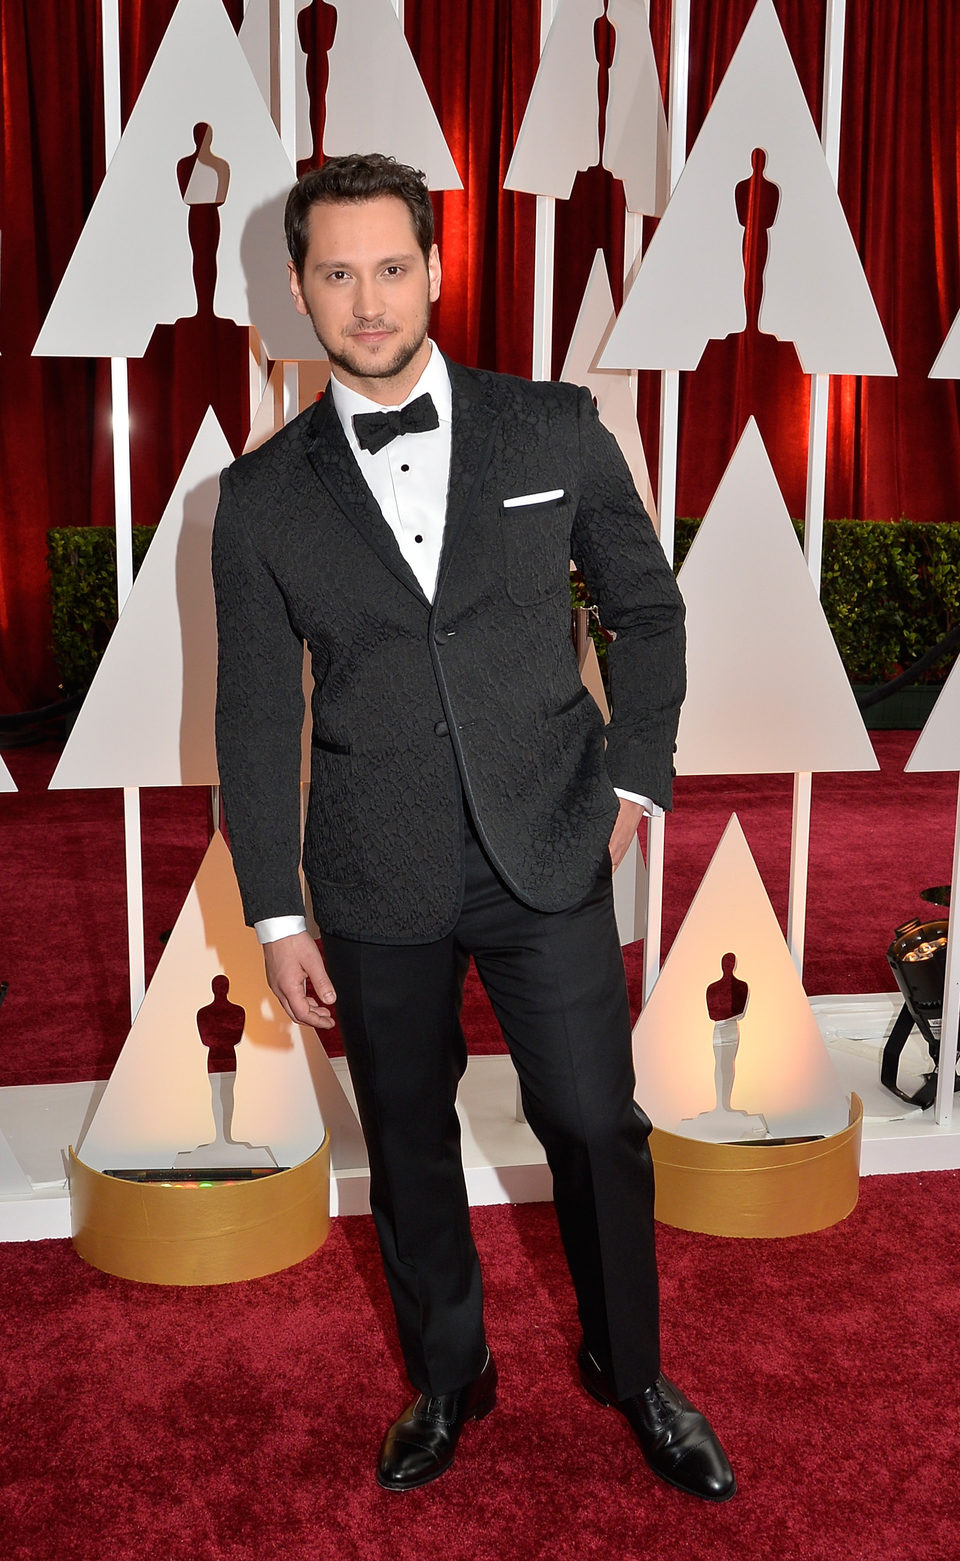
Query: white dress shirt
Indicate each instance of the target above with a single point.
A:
(409, 479)
(409, 476)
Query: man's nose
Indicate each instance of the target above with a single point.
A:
(368, 300)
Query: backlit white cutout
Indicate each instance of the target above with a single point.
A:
(947, 365)
(938, 746)
(592, 679)
(783, 1073)
(766, 689)
(635, 138)
(209, 183)
(610, 388)
(256, 43)
(7, 782)
(268, 419)
(133, 265)
(690, 285)
(14, 1181)
(376, 99)
(147, 719)
(157, 1102)
(559, 135)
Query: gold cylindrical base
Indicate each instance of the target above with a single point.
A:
(761, 1190)
(212, 1235)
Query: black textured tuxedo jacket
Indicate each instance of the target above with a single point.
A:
(416, 706)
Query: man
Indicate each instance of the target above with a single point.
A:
(462, 799)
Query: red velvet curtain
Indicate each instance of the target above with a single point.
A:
(894, 444)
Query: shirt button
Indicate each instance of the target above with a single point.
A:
(418, 539)
(441, 729)
(404, 467)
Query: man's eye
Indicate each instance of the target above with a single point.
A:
(337, 276)
(394, 270)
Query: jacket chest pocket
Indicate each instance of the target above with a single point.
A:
(536, 549)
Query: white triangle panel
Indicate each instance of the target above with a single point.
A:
(947, 365)
(158, 1103)
(938, 746)
(635, 137)
(767, 691)
(376, 99)
(690, 285)
(7, 782)
(559, 134)
(782, 1070)
(148, 717)
(610, 388)
(132, 267)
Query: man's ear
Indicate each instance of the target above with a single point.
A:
(296, 290)
(434, 273)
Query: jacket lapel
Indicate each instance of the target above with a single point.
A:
(333, 462)
(475, 419)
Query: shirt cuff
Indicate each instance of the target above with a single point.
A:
(274, 927)
(652, 809)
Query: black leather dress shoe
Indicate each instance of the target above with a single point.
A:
(677, 1441)
(421, 1444)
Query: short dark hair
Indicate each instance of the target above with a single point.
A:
(356, 177)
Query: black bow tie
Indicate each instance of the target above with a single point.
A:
(374, 430)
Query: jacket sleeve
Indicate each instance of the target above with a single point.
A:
(259, 716)
(616, 549)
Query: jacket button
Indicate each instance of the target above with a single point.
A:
(442, 729)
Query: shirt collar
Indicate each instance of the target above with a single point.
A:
(434, 380)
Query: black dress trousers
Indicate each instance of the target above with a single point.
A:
(556, 984)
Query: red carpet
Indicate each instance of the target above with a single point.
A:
(877, 840)
(241, 1423)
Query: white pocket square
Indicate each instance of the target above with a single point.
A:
(533, 498)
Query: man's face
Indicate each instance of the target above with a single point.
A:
(367, 290)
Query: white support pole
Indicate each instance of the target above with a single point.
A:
(679, 85)
(632, 246)
(257, 367)
(123, 519)
(670, 379)
(110, 25)
(122, 497)
(291, 390)
(667, 482)
(951, 994)
(816, 488)
(799, 864)
(543, 251)
(287, 55)
(133, 860)
(656, 840)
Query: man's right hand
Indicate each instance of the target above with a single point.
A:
(291, 963)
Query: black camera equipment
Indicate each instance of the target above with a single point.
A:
(918, 958)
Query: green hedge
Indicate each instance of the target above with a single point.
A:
(890, 591)
(83, 594)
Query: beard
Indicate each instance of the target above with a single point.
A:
(394, 360)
